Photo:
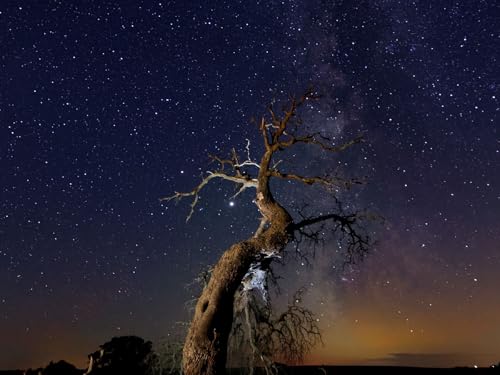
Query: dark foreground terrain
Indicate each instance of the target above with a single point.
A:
(318, 370)
(341, 370)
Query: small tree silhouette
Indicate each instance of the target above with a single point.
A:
(61, 368)
(121, 355)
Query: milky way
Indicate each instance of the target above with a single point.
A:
(106, 108)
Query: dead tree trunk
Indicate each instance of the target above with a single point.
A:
(205, 348)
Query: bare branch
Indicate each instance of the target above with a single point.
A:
(326, 181)
(234, 162)
(245, 182)
(284, 121)
(264, 133)
(305, 180)
(312, 139)
(286, 336)
(222, 162)
(347, 225)
(275, 166)
(242, 188)
(278, 126)
(247, 148)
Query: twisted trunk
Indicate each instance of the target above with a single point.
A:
(205, 348)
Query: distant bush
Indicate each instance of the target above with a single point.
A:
(61, 368)
(121, 355)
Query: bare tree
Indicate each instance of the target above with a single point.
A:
(260, 336)
(205, 347)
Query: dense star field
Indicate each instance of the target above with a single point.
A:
(105, 107)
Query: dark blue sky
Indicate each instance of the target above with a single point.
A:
(106, 107)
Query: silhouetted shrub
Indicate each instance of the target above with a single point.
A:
(61, 368)
(121, 355)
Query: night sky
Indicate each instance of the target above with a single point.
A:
(107, 106)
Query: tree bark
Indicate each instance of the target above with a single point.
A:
(205, 348)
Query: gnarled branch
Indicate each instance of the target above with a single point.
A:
(234, 162)
(346, 225)
(324, 142)
(244, 181)
(310, 180)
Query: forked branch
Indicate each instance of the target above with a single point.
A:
(244, 181)
(234, 162)
(348, 228)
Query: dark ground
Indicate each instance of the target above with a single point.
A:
(326, 370)
(341, 370)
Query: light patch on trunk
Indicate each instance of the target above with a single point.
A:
(256, 278)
